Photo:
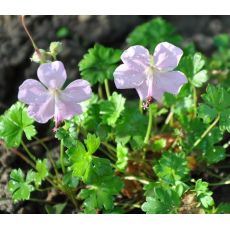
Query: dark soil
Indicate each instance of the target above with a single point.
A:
(84, 31)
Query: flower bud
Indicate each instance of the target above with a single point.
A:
(40, 57)
(55, 48)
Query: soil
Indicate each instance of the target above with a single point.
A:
(84, 31)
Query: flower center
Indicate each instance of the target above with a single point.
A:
(54, 92)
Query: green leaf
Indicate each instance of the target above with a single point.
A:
(65, 135)
(55, 209)
(225, 120)
(206, 113)
(223, 208)
(222, 41)
(92, 117)
(217, 97)
(200, 78)
(99, 64)
(122, 157)
(159, 145)
(111, 110)
(131, 126)
(203, 194)
(100, 195)
(172, 167)
(153, 32)
(162, 201)
(192, 66)
(214, 154)
(70, 180)
(99, 168)
(19, 186)
(198, 62)
(63, 32)
(14, 123)
(92, 143)
(102, 186)
(42, 171)
(80, 161)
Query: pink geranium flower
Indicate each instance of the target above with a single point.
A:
(47, 100)
(150, 75)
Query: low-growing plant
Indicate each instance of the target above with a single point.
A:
(156, 153)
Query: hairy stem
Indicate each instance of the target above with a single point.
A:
(31, 39)
(149, 128)
(32, 157)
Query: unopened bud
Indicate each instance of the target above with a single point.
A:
(55, 48)
(40, 56)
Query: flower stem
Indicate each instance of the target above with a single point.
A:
(100, 93)
(204, 134)
(167, 120)
(62, 156)
(141, 106)
(107, 90)
(32, 157)
(149, 129)
(31, 39)
(195, 100)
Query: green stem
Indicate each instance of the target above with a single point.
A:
(140, 106)
(195, 100)
(27, 160)
(225, 182)
(149, 129)
(32, 157)
(108, 154)
(107, 145)
(107, 90)
(62, 156)
(100, 93)
(135, 178)
(169, 117)
(204, 134)
(167, 120)
(226, 145)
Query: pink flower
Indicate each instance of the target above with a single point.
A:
(150, 75)
(47, 100)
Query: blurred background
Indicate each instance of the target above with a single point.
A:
(78, 33)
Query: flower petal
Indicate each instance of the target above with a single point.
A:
(42, 112)
(167, 56)
(142, 90)
(66, 108)
(52, 75)
(171, 82)
(126, 77)
(136, 57)
(157, 92)
(32, 91)
(78, 91)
